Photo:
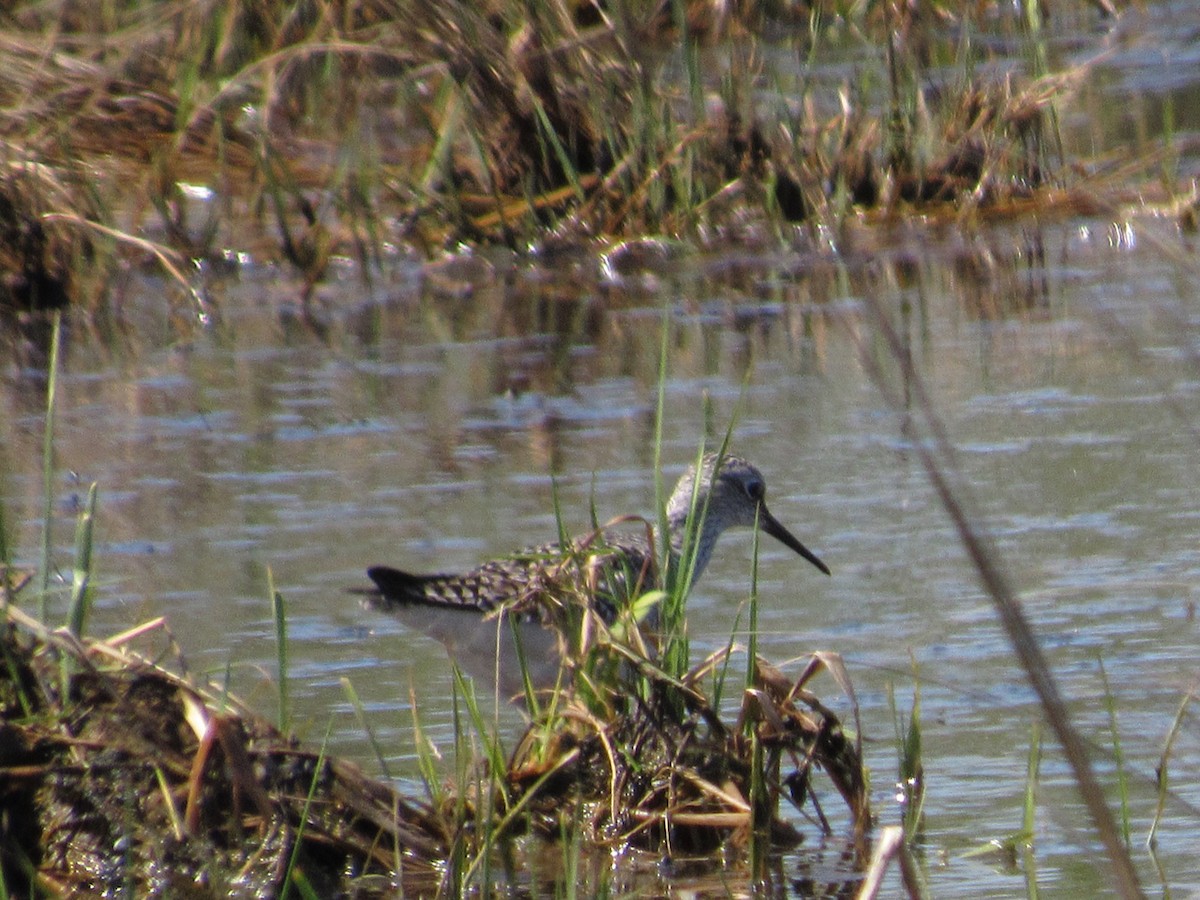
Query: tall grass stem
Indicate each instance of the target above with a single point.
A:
(281, 650)
(1164, 779)
(1110, 705)
(294, 876)
(81, 576)
(937, 457)
(361, 714)
(48, 463)
(1029, 821)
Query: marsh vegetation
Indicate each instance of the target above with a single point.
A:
(802, 178)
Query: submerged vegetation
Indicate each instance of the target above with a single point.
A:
(188, 133)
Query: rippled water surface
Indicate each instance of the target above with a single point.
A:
(425, 423)
(432, 419)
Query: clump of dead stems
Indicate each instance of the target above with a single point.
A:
(343, 127)
(656, 767)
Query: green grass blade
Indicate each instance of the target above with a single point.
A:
(361, 714)
(752, 637)
(281, 650)
(722, 672)
(547, 133)
(492, 795)
(676, 653)
(910, 764)
(760, 841)
(1110, 704)
(527, 685)
(81, 579)
(80, 583)
(426, 754)
(1031, 779)
(660, 497)
(294, 876)
(5, 560)
(493, 750)
(48, 462)
(1030, 817)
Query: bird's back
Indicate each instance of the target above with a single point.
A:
(603, 571)
(543, 592)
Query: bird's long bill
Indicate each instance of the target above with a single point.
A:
(771, 526)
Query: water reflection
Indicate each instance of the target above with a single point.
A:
(25, 343)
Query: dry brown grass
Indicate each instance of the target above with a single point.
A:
(647, 777)
(340, 127)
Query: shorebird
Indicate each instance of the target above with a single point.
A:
(607, 570)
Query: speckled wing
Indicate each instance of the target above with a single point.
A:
(528, 604)
(528, 585)
(482, 590)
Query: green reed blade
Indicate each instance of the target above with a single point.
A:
(48, 462)
(82, 573)
(281, 650)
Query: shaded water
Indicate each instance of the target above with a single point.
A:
(430, 420)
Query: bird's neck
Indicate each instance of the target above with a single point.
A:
(698, 550)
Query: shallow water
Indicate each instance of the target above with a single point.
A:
(403, 433)
(432, 419)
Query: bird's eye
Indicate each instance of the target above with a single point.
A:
(755, 490)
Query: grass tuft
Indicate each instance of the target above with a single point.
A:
(279, 613)
(511, 122)
(81, 580)
(910, 786)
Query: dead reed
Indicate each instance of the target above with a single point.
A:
(345, 127)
